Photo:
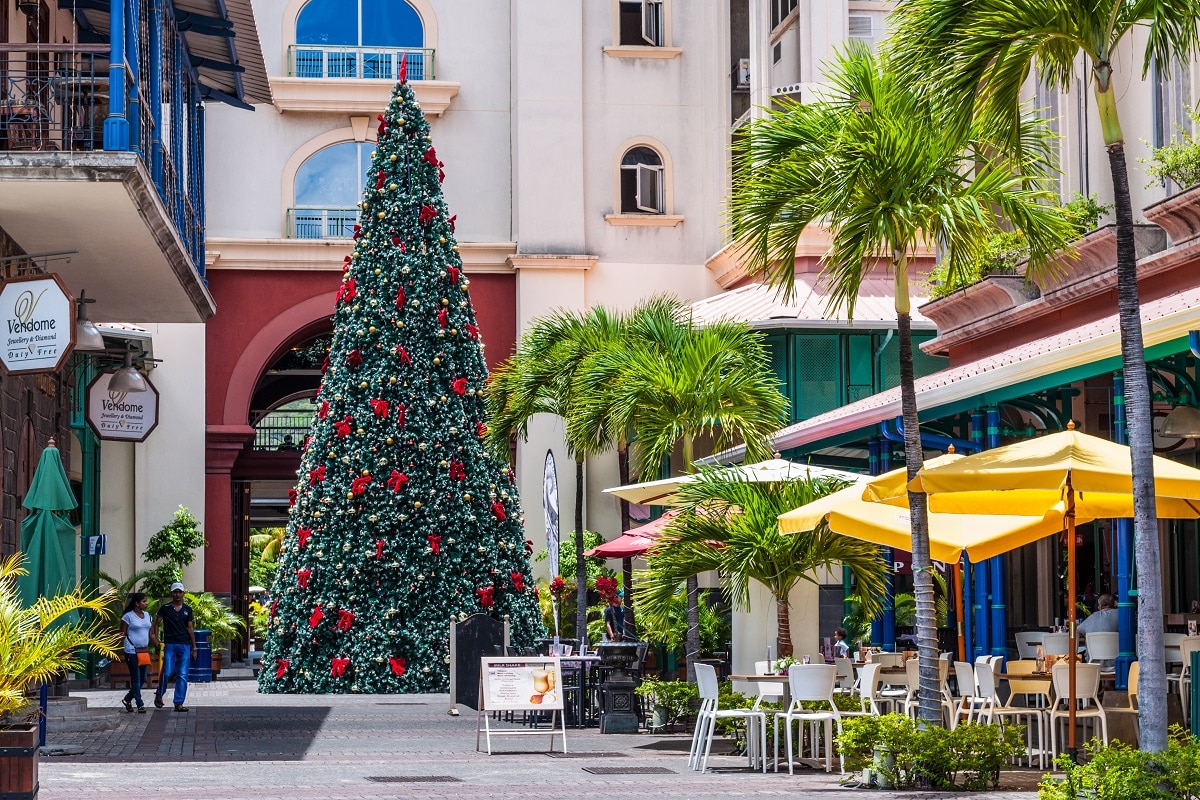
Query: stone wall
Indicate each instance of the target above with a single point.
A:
(33, 408)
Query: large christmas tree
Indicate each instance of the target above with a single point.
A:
(400, 518)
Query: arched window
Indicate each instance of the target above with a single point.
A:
(327, 189)
(642, 181)
(359, 39)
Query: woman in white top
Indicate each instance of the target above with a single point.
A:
(137, 626)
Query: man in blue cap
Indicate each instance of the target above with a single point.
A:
(179, 646)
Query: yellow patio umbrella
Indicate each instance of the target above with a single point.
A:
(1092, 477)
(980, 536)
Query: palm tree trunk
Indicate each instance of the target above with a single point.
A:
(580, 566)
(914, 458)
(783, 621)
(1152, 683)
(623, 478)
(692, 641)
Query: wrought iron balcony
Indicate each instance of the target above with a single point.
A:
(54, 97)
(380, 63)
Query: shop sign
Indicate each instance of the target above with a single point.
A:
(126, 417)
(37, 315)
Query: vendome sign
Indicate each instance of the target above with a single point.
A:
(126, 417)
(37, 316)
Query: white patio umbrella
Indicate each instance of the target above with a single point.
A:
(773, 470)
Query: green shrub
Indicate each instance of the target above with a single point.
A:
(1119, 772)
(968, 757)
(676, 697)
(1178, 160)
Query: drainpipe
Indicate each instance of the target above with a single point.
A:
(999, 608)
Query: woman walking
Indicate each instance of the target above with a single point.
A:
(137, 626)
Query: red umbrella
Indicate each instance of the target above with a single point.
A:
(635, 541)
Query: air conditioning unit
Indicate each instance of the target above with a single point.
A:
(743, 74)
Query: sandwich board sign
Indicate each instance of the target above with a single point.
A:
(520, 684)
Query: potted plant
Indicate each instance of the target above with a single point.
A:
(669, 701)
(37, 644)
(212, 615)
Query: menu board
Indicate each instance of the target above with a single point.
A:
(521, 684)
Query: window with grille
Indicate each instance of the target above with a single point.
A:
(869, 27)
(642, 182)
(358, 39)
(328, 184)
(780, 10)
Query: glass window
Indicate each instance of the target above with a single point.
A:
(328, 185)
(341, 29)
(641, 22)
(641, 181)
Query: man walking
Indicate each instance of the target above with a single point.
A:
(179, 642)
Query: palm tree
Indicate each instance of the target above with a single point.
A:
(731, 525)
(672, 382)
(40, 642)
(875, 164)
(977, 56)
(540, 379)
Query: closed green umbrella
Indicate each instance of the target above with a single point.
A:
(47, 538)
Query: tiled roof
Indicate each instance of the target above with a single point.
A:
(763, 307)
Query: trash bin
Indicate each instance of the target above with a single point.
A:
(200, 668)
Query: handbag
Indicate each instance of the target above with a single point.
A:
(143, 656)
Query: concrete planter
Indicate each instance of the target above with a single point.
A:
(1178, 215)
(995, 294)
(19, 763)
(1096, 257)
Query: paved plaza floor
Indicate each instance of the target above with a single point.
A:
(236, 744)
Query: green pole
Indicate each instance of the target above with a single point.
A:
(89, 503)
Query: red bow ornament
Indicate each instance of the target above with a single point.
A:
(430, 157)
(459, 385)
(453, 274)
(292, 495)
(380, 407)
(427, 214)
(281, 667)
(380, 177)
(347, 291)
(354, 358)
(317, 475)
(302, 576)
(403, 354)
(345, 620)
(472, 331)
(443, 317)
(498, 510)
(323, 410)
(457, 471)
(314, 619)
(302, 535)
(342, 427)
(359, 485)
(435, 543)
(338, 666)
(397, 480)
(401, 298)
(487, 596)
(398, 665)
(451, 221)
(379, 544)
(518, 581)
(401, 415)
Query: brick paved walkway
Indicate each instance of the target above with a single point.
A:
(236, 744)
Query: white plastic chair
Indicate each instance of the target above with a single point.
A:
(867, 687)
(710, 712)
(1187, 646)
(813, 683)
(1171, 654)
(762, 668)
(979, 706)
(845, 675)
(1056, 644)
(1103, 647)
(1027, 642)
(1087, 690)
(887, 659)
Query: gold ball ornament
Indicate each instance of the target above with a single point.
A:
(362, 385)
(378, 271)
(445, 301)
(392, 380)
(393, 186)
(388, 440)
(467, 496)
(416, 503)
(436, 361)
(371, 329)
(360, 430)
(381, 214)
(393, 157)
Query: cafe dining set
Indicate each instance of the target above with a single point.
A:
(802, 712)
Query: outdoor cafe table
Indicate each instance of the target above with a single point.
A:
(587, 668)
(756, 679)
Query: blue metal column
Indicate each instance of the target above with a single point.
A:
(979, 642)
(134, 102)
(155, 146)
(1126, 600)
(116, 125)
(999, 609)
(968, 621)
(883, 628)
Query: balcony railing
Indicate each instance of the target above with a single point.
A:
(321, 223)
(53, 98)
(382, 63)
